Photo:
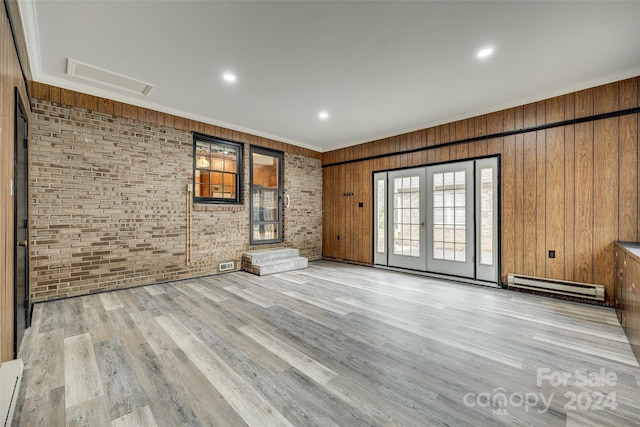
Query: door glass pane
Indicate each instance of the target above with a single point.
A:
(449, 216)
(406, 216)
(486, 216)
(380, 207)
(265, 232)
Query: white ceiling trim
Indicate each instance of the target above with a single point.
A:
(55, 81)
(65, 84)
(29, 21)
(500, 107)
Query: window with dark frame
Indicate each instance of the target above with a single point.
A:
(217, 170)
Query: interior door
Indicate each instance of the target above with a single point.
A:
(450, 219)
(405, 231)
(21, 232)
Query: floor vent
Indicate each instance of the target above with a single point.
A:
(226, 266)
(562, 287)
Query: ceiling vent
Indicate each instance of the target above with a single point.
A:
(107, 78)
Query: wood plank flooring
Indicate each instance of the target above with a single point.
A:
(331, 345)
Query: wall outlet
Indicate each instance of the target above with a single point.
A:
(552, 254)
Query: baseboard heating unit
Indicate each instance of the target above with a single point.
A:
(562, 287)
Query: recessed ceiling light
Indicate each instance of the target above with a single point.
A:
(485, 52)
(229, 77)
(323, 115)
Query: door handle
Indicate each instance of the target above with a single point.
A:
(23, 243)
(288, 201)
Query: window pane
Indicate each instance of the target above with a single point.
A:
(265, 232)
(406, 216)
(449, 251)
(380, 209)
(449, 216)
(438, 251)
(415, 216)
(230, 164)
(486, 216)
(265, 170)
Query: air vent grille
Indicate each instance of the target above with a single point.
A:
(226, 266)
(107, 78)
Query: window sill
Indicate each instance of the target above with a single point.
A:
(215, 207)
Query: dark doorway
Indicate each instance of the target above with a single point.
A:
(21, 228)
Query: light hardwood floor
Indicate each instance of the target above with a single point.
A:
(332, 345)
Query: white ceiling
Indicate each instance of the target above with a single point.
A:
(378, 68)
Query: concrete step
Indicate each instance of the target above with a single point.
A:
(281, 265)
(270, 261)
(262, 256)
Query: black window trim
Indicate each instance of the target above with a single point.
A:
(239, 200)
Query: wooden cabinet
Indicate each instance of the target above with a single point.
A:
(619, 284)
(627, 291)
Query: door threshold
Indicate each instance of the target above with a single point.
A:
(441, 276)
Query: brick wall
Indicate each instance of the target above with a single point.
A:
(108, 205)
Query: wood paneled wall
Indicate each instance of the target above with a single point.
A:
(10, 77)
(118, 109)
(570, 188)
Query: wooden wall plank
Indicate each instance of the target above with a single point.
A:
(555, 206)
(68, 97)
(629, 93)
(606, 98)
(105, 105)
(152, 117)
(584, 203)
(117, 109)
(40, 91)
(129, 111)
(514, 119)
(509, 182)
(54, 94)
(605, 206)
(569, 180)
(541, 158)
(88, 102)
(530, 192)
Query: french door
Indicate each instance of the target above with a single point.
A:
(440, 219)
(407, 247)
(450, 219)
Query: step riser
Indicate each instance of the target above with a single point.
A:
(297, 264)
(271, 261)
(260, 257)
